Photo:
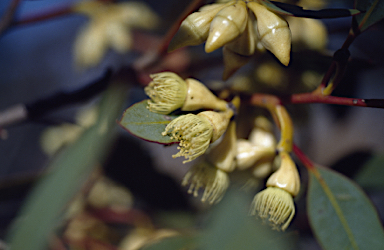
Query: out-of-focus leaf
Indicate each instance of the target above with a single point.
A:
(373, 11)
(174, 243)
(341, 215)
(68, 172)
(298, 11)
(230, 227)
(145, 124)
(371, 175)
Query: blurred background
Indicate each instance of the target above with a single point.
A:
(37, 61)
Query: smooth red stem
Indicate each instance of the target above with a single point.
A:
(303, 158)
(314, 98)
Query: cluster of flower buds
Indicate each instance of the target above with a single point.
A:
(196, 132)
(233, 26)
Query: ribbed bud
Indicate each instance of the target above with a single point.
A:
(227, 25)
(276, 205)
(286, 177)
(199, 97)
(245, 44)
(195, 28)
(204, 175)
(273, 32)
(223, 155)
(218, 120)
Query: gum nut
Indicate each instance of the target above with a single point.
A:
(228, 24)
(273, 32)
(195, 28)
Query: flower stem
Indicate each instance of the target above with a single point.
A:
(153, 56)
(281, 117)
(303, 158)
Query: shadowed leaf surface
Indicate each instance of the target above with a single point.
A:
(373, 11)
(145, 124)
(341, 215)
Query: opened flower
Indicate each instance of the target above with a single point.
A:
(196, 132)
(275, 203)
(169, 92)
(231, 25)
(204, 175)
(109, 26)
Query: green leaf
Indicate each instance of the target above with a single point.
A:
(230, 227)
(372, 174)
(298, 11)
(340, 214)
(373, 11)
(67, 173)
(145, 124)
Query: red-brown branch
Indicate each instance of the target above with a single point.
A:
(302, 157)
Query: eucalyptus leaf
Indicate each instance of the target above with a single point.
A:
(340, 214)
(145, 124)
(371, 176)
(298, 11)
(68, 172)
(373, 11)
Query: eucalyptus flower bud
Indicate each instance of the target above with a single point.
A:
(276, 205)
(195, 28)
(169, 92)
(227, 25)
(262, 169)
(261, 135)
(200, 97)
(273, 32)
(196, 132)
(223, 155)
(204, 175)
(248, 154)
(238, 52)
(287, 176)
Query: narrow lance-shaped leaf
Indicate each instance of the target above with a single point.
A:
(373, 11)
(340, 214)
(145, 124)
(68, 172)
(298, 11)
